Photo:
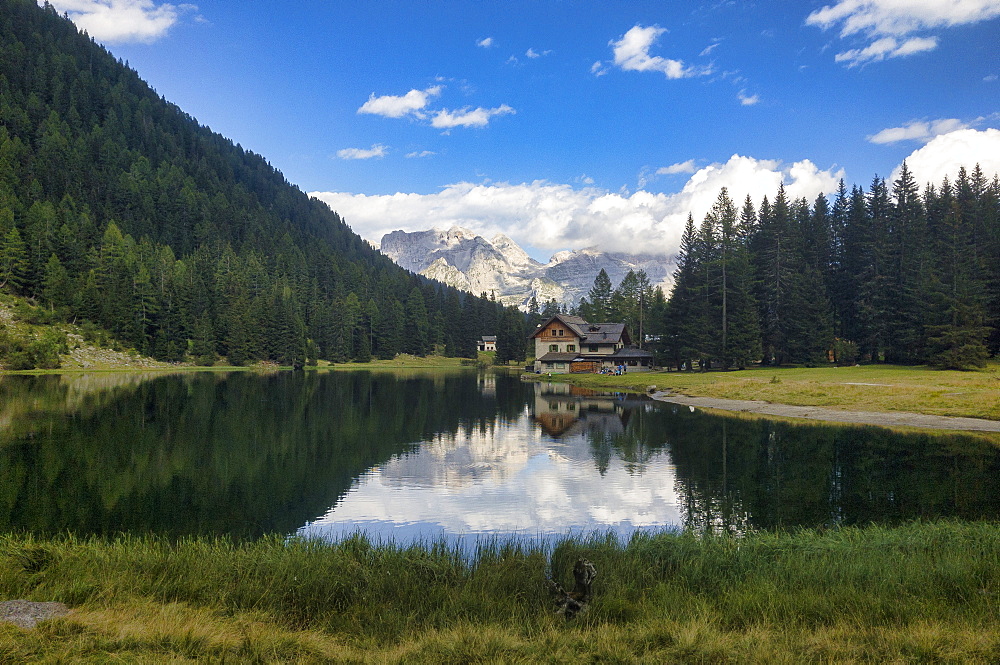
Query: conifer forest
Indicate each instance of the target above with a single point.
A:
(119, 209)
(898, 274)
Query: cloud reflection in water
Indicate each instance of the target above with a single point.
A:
(542, 474)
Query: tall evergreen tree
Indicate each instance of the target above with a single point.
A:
(909, 266)
(417, 337)
(681, 308)
(596, 305)
(956, 322)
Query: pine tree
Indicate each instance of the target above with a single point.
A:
(551, 309)
(13, 260)
(389, 329)
(510, 336)
(807, 329)
(417, 341)
(742, 339)
(56, 287)
(773, 271)
(599, 299)
(909, 266)
(956, 329)
(836, 278)
(681, 307)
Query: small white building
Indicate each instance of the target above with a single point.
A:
(487, 343)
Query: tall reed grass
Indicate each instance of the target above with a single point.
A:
(924, 591)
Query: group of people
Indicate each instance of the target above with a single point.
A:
(617, 371)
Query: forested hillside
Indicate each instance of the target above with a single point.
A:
(118, 208)
(895, 274)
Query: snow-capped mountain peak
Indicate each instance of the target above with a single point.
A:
(468, 261)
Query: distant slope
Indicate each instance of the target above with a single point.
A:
(119, 208)
(460, 258)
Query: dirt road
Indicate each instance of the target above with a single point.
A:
(892, 419)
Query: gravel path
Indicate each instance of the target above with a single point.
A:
(26, 613)
(893, 419)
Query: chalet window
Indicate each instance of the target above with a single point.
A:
(570, 348)
(560, 365)
(594, 348)
(560, 332)
(554, 347)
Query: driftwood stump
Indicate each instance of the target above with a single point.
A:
(575, 602)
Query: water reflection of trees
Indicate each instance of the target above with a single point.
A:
(736, 473)
(246, 454)
(241, 454)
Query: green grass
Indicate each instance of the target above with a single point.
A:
(862, 388)
(404, 361)
(920, 592)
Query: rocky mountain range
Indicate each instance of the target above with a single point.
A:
(498, 266)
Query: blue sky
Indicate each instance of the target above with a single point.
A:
(572, 124)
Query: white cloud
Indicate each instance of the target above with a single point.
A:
(631, 53)
(884, 20)
(415, 104)
(397, 106)
(553, 217)
(421, 153)
(747, 100)
(708, 49)
(679, 167)
(532, 53)
(945, 154)
(478, 117)
(485, 42)
(598, 69)
(918, 130)
(120, 21)
(887, 47)
(901, 17)
(377, 150)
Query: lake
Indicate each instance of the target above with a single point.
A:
(445, 454)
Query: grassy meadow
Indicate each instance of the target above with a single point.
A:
(918, 592)
(918, 389)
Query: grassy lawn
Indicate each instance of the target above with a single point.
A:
(862, 388)
(920, 592)
(401, 361)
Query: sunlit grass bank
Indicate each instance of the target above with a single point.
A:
(404, 361)
(921, 592)
(862, 388)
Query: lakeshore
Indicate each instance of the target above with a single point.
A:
(880, 419)
(884, 395)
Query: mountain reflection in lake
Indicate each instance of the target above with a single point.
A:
(549, 470)
(425, 455)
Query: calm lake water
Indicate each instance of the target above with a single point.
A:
(454, 455)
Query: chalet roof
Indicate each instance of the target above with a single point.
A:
(631, 352)
(489, 338)
(589, 333)
(552, 356)
(571, 322)
(607, 333)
